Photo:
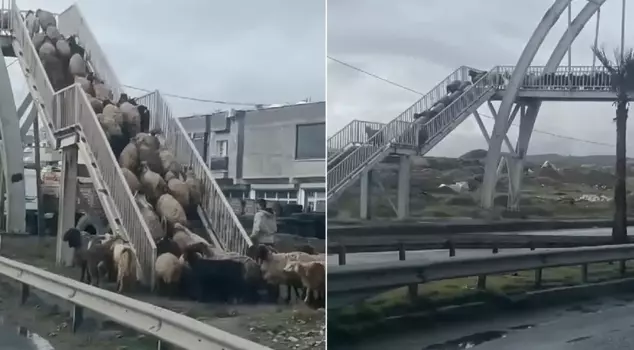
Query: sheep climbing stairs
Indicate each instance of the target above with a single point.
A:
(402, 133)
(214, 219)
(70, 120)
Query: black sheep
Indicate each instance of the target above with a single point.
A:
(220, 279)
(167, 245)
(75, 48)
(145, 118)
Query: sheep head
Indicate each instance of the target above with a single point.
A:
(73, 237)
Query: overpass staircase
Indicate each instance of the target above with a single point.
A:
(70, 120)
(434, 116)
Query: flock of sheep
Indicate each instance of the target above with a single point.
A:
(167, 195)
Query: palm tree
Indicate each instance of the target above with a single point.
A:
(622, 80)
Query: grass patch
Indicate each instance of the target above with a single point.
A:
(374, 314)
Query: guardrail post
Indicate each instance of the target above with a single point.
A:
(24, 293)
(482, 279)
(538, 278)
(401, 252)
(584, 273)
(451, 247)
(342, 255)
(622, 267)
(78, 317)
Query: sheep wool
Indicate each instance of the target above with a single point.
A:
(96, 105)
(77, 66)
(152, 158)
(46, 18)
(129, 157)
(53, 33)
(32, 22)
(113, 112)
(195, 188)
(63, 49)
(47, 50)
(168, 208)
(38, 40)
(179, 190)
(131, 116)
(152, 184)
(168, 268)
(131, 180)
(103, 92)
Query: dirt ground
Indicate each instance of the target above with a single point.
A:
(277, 326)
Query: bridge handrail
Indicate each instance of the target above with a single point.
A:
(377, 276)
(166, 325)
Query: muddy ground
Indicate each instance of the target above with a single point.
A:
(277, 326)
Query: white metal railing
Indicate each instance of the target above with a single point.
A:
(224, 222)
(169, 326)
(577, 78)
(71, 22)
(354, 132)
(70, 106)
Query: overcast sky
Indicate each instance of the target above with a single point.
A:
(241, 50)
(418, 43)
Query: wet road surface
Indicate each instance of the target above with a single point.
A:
(11, 339)
(600, 325)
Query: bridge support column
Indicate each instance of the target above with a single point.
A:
(404, 185)
(12, 161)
(516, 166)
(67, 203)
(366, 195)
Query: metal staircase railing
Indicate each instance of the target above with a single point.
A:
(227, 229)
(353, 133)
(383, 138)
(69, 107)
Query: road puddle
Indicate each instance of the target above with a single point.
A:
(468, 342)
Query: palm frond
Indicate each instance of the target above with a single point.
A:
(605, 61)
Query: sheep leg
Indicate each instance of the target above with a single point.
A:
(82, 275)
(288, 293)
(309, 294)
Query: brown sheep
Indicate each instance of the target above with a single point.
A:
(152, 184)
(179, 190)
(169, 210)
(195, 188)
(152, 220)
(131, 180)
(129, 157)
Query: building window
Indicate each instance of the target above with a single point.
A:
(310, 141)
(277, 196)
(316, 200)
(222, 148)
(198, 138)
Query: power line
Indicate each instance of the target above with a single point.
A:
(199, 99)
(571, 138)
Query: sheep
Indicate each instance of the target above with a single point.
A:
(170, 211)
(46, 19)
(167, 245)
(53, 33)
(252, 273)
(186, 238)
(453, 86)
(131, 117)
(168, 162)
(145, 118)
(195, 188)
(131, 180)
(151, 157)
(77, 66)
(125, 260)
(103, 92)
(168, 269)
(149, 140)
(170, 175)
(63, 49)
(222, 279)
(32, 23)
(313, 278)
(113, 112)
(87, 87)
(152, 220)
(88, 254)
(152, 184)
(179, 190)
(47, 50)
(38, 40)
(129, 157)
(273, 264)
(75, 47)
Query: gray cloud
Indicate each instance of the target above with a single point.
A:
(242, 50)
(418, 43)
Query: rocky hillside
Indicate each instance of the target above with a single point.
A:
(553, 185)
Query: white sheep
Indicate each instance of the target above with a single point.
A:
(129, 157)
(77, 66)
(168, 269)
(131, 180)
(152, 183)
(168, 208)
(179, 190)
(195, 188)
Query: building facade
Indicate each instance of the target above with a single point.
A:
(275, 153)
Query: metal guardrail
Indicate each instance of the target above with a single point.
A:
(163, 324)
(353, 283)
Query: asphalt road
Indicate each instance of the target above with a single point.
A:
(361, 258)
(604, 325)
